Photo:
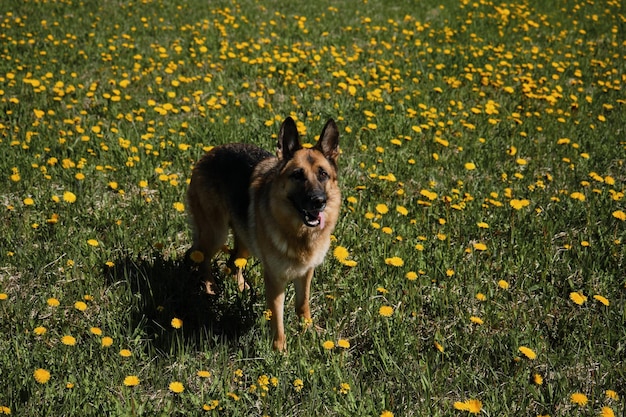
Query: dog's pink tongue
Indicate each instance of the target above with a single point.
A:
(322, 219)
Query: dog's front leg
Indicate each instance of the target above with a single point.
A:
(275, 298)
(303, 292)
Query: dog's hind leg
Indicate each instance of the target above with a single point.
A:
(210, 232)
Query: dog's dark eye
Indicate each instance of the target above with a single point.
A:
(297, 175)
(322, 175)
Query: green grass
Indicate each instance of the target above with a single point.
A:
(112, 102)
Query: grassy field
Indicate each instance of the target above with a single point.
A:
(479, 264)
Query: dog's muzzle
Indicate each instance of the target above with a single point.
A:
(312, 211)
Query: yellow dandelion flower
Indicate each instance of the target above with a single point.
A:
(40, 330)
(131, 381)
(344, 388)
(449, 272)
(340, 253)
(538, 379)
(54, 219)
(126, 353)
(519, 204)
(3, 296)
(176, 323)
(578, 196)
(204, 374)
(176, 387)
(80, 305)
(601, 299)
(386, 413)
(385, 311)
(106, 341)
(15, 177)
(482, 225)
(481, 297)
(503, 284)
(428, 194)
(241, 262)
(470, 166)
(476, 320)
(343, 343)
(473, 406)
(41, 375)
(620, 215)
(68, 340)
(28, 201)
(96, 331)
(382, 208)
(212, 405)
(394, 261)
(411, 276)
(69, 197)
(577, 297)
(402, 210)
(328, 344)
(92, 242)
(439, 346)
(298, 384)
(579, 399)
(611, 395)
(607, 412)
(178, 206)
(529, 353)
(480, 246)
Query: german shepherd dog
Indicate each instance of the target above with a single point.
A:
(282, 209)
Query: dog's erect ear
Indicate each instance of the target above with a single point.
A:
(328, 143)
(288, 139)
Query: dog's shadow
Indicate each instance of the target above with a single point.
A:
(162, 290)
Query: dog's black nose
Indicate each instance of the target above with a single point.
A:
(318, 202)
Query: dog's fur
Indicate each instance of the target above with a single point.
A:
(281, 209)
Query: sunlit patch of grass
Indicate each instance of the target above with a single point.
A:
(477, 266)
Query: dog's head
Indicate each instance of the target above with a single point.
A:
(311, 173)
